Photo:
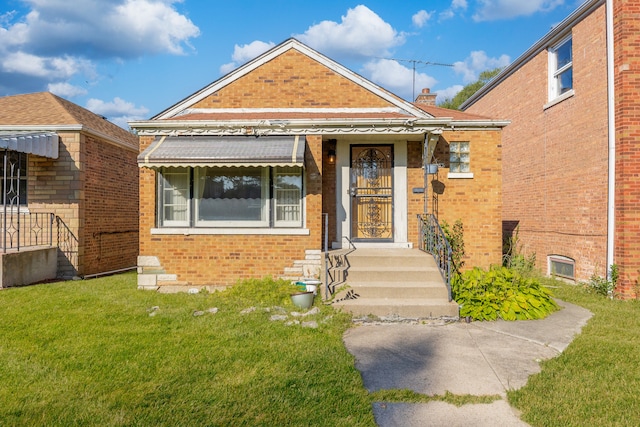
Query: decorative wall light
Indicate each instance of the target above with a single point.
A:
(331, 156)
(331, 151)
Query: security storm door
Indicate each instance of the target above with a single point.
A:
(371, 190)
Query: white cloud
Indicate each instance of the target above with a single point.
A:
(477, 62)
(456, 6)
(397, 78)
(117, 111)
(491, 10)
(421, 18)
(448, 93)
(60, 39)
(66, 90)
(361, 33)
(245, 53)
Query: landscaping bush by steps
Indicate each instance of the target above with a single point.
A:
(501, 292)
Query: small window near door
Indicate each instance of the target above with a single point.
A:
(561, 266)
(459, 157)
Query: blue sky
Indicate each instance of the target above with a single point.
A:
(131, 59)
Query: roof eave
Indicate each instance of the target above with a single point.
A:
(552, 36)
(297, 126)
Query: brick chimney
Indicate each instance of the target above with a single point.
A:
(426, 97)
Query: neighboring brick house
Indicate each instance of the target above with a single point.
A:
(235, 178)
(570, 168)
(89, 183)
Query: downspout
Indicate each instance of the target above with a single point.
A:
(612, 139)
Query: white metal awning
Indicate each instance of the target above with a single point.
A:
(224, 151)
(44, 144)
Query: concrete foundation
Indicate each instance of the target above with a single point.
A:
(28, 266)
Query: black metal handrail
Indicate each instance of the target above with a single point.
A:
(25, 229)
(431, 239)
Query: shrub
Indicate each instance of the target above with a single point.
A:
(455, 237)
(513, 256)
(601, 285)
(501, 292)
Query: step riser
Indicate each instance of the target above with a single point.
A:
(391, 276)
(409, 261)
(398, 291)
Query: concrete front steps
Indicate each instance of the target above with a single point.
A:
(404, 283)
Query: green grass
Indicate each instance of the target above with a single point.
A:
(596, 380)
(94, 353)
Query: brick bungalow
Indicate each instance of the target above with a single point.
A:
(238, 179)
(570, 164)
(77, 170)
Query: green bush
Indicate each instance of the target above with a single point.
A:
(501, 292)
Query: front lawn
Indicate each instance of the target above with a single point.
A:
(101, 352)
(596, 380)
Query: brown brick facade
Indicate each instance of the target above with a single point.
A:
(554, 157)
(92, 187)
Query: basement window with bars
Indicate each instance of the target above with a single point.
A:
(232, 197)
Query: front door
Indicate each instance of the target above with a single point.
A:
(371, 190)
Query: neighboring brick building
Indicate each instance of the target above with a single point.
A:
(89, 184)
(236, 177)
(570, 175)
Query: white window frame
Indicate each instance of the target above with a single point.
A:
(286, 224)
(163, 183)
(561, 259)
(555, 73)
(460, 172)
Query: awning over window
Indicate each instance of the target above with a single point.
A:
(39, 144)
(224, 151)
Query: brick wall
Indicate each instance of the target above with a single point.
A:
(476, 201)
(93, 188)
(554, 160)
(292, 80)
(110, 214)
(627, 111)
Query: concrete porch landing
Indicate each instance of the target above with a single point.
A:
(403, 283)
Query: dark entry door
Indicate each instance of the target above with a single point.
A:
(371, 192)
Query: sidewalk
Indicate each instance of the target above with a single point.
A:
(478, 358)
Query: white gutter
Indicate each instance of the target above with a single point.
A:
(611, 199)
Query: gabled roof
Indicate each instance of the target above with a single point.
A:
(45, 111)
(287, 45)
(283, 92)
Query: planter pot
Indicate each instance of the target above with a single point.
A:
(302, 299)
(312, 286)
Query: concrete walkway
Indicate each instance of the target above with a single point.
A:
(478, 358)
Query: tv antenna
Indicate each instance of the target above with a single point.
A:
(413, 66)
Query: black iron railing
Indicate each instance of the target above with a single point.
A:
(431, 239)
(25, 229)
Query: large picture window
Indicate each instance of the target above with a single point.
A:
(230, 197)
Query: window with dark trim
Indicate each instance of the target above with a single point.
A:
(13, 180)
